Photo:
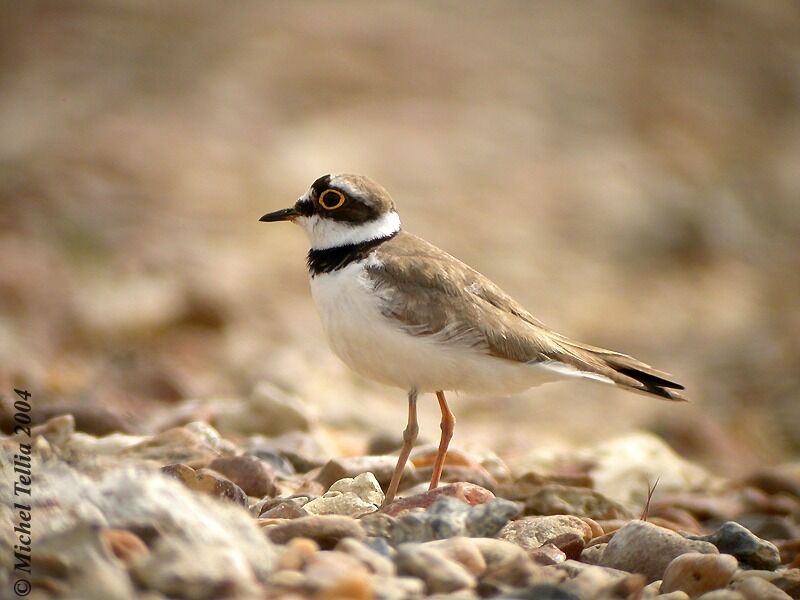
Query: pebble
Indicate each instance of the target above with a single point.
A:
(381, 467)
(462, 550)
(397, 588)
(676, 595)
(328, 570)
(326, 530)
(448, 517)
(276, 508)
(570, 543)
(440, 573)
(734, 539)
(756, 588)
(592, 555)
(788, 580)
(269, 411)
(556, 499)
(533, 532)
(207, 482)
(251, 474)
(466, 492)
(300, 449)
(697, 574)
(546, 555)
(125, 545)
(297, 553)
(588, 580)
(722, 595)
(195, 444)
(376, 562)
(641, 547)
(353, 497)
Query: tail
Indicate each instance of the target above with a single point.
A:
(620, 369)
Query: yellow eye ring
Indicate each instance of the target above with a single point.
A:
(325, 199)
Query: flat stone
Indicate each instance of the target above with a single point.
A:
(597, 581)
(533, 532)
(440, 574)
(756, 588)
(381, 467)
(722, 595)
(268, 411)
(466, 492)
(376, 562)
(697, 574)
(734, 539)
(641, 547)
(326, 530)
(195, 444)
(254, 476)
(556, 499)
(448, 517)
(462, 550)
(207, 482)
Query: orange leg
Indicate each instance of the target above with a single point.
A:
(448, 425)
(409, 437)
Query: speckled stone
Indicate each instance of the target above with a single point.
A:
(641, 547)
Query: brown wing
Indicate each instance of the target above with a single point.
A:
(461, 305)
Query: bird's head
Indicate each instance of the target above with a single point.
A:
(341, 210)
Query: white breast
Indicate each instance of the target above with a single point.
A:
(378, 349)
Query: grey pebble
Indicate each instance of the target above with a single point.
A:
(732, 538)
(448, 517)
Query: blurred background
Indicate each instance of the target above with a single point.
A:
(629, 171)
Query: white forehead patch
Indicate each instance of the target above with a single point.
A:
(330, 233)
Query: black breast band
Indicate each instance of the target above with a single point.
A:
(333, 259)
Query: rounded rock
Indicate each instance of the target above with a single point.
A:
(253, 475)
(641, 547)
(732, 538)
(697, 574)
(533, 532)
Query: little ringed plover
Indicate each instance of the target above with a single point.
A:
(398, 310)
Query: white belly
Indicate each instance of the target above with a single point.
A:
(376, 348)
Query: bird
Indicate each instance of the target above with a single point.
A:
(400, 311)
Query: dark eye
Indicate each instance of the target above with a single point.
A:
(331, 199)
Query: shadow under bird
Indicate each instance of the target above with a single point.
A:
(398, 310)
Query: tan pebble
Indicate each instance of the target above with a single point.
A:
(653, 587)
(328, 568)
(374, 561)
(722, 595)
(611, 525)
(532, 532)
(597, 530)
(297, 553)
(463, 551)
(348, 588)
(755, 588)
(677, 595)
(125, 545)
(288, 579)
(696, 573)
